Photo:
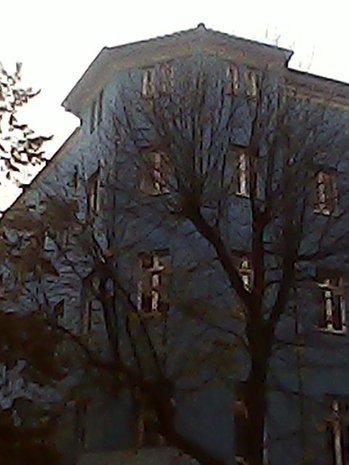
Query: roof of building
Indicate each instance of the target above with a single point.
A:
(182, 43)
(63, 151)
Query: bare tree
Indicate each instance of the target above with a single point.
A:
(20, 146)
(242, 177)
(199, 143)
(21, 440)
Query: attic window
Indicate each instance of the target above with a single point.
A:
(166, 78)
(233, 84)
(251, 83)
(148, 84)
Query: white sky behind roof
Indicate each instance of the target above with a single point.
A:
(57, 39)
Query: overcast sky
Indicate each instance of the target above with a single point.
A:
(57, 39)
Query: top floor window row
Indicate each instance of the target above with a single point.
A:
(163, 77)
(238, 81)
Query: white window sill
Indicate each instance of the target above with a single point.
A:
(149, 315)
(243, 195)
(338, 332)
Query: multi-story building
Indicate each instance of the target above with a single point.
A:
(196, 222)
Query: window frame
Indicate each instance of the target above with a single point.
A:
(155, 289)
(332, 287)
(251, 83)
(152, 179)
(338, 424)
(243, 175)
(246, 273)
(232, 75)
(92, 122)
(166, 74)
(241, 157)
(327, 205)
(99, 108)
(93, 193)
(148, 83)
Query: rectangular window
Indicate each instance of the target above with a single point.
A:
(243, 175)
(233, 84)
(251, 83)
(246, 273)
(100, 108)
(63, 237)
(58, 310)
(338, 432)
(92, 315)
(166, 78)
(326, 193)
(154, 174)
(153, 285)
(93, 117)
(148, 84)
(333, 312)
(93, 193)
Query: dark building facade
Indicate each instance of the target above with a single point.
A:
(169, 290)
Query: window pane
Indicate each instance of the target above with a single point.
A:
(153, 285)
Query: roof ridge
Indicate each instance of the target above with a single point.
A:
(200, 28)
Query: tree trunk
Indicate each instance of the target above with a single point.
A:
(255, 400)
(255, 396)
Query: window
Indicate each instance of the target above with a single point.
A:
(154, 174)
(247, 174)
(93, 193)
(96, 112)
(246, 273)
(100, 108)
(93, 117)
(232, 74)
(153, 285)
(243, 175)
(326, 193)
(148, 84)
(62, 237)
(58, 310)
(166, 78)
(251, 83)
(338, 431)
(91, 315)
(333, 305)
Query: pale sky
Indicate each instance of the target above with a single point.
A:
(57, 39)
